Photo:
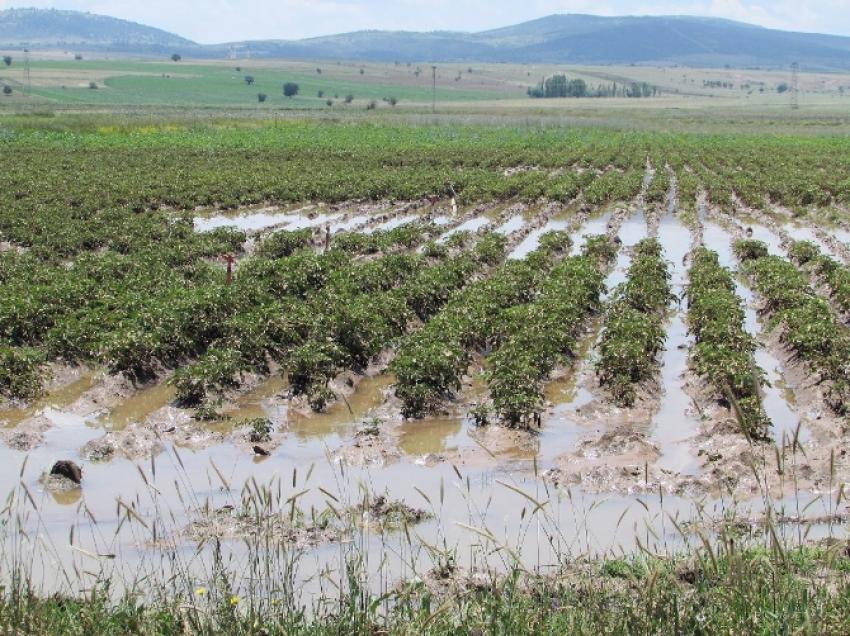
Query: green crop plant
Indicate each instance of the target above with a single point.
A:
(634, 325)
(538, 335)
(724, 351)
(808, 325)
(432, 360)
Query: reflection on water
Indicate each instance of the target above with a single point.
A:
(342, 414)
(532, 241)
(59, 399)
(138, 407)
(264, 218)
(675, 424)
(432, 435)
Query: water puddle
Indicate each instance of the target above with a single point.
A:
(768, 236)
(137, 407)
(800, 233)
(674, 424)
(633, 230)
(513, 224)
(349, 224)
(56, 400)
(266, 218)
(532, 241)
(595, 225)
(431, 436)
(841, 234)
(391, 224)
(342, 414)
(472, 225)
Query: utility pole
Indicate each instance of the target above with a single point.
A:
(795, 86)
(434, 89)
(27, 75)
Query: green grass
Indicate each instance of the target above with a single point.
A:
(803, 591)
(158, 84)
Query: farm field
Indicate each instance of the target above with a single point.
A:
(378, 368)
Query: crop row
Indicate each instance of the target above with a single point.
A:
(140, 315)
(808, 326)
(353, 304)
(538, 335)
(723, 353)
(431, 361)
(827, 270)
(634, 325)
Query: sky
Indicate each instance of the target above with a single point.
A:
(215, 21)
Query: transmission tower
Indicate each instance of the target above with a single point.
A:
(795, 86)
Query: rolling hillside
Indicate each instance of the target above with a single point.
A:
(576, 39)
(47, 28)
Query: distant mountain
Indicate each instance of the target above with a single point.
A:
(576, 39)
(50, 28)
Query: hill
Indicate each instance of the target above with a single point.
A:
(50, 28)
(575, 39)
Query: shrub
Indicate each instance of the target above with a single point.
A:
(290, 89)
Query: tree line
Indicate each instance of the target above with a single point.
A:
(561, 86)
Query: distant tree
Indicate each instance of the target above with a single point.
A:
(238, 69)
(93, 86)
(321, 94)
(7, 90)
(362, 70)
(78, 56)
(290, 89)
(249, 79)
(262, 97)
(349, 98)
(372, 105)
(782, 88)
(7, 60)
(176, 57)
(330, 103)
(318, 71)
(392, 101)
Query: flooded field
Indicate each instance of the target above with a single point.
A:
(602, 480)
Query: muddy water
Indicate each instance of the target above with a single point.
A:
(512, 225)
(675, 423)
(392, 224)
(138, 407)
(56, 400)
(341, 415)
(765, 234)
(800, 233)
(532, 241)
(472, 225)
(262, 218)
(433, 435)
(595, 225)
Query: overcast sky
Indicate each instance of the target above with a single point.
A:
(211, 21)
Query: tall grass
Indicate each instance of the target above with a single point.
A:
(259, 575)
